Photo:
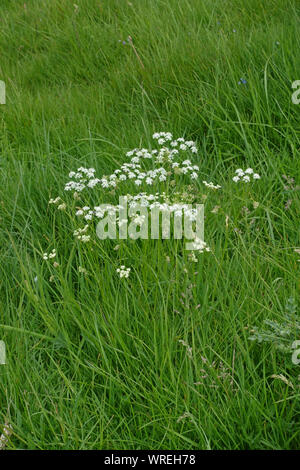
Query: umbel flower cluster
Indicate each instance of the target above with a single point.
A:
(123, 271)
(165, 177)
(245, 175)
(166, 161)
(158, 168)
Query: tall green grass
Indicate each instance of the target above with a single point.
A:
(94, 362)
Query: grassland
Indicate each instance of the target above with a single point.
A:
(95, 361)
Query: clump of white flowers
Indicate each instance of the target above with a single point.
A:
(61, 206)
(200, 246)
(80, 234)
(55, 201)
(245, 175)
(98, 211)
(192, 257)
(82, 178)
(123, 271)
(166, 163)
(163, 137)
(47, 256)
(146, 169)
(211, 185)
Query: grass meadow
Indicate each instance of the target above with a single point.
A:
(163, 358)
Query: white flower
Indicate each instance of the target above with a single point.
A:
(246, 176)
(47, 256)
(192, 257)
(200, 245)
(55, 201)
(79, 234)
(123, 272)
(139, 219)
(84, 238)
(93, 183)
(211, 185)
(52, 254)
